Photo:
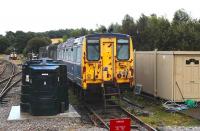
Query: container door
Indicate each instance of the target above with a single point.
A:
(107, 53)
(191, 78)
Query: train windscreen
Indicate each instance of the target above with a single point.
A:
(93, 50)
(122, 49)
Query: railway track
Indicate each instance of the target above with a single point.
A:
(7, 83)
(99, 116)
(2, 68)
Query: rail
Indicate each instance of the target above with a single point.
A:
(127, 113)
(3, 70)
(8, 81)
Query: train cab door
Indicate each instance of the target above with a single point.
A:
(107, 55)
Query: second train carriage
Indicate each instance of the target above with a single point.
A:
(52, 52)
(43, 52)
(48, 51)
(99, 60)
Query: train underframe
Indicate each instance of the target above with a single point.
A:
(103, 95)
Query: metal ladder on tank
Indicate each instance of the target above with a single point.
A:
(111, 97)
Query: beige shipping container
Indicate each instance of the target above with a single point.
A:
(171, 75)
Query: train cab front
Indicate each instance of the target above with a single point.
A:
(107, 61)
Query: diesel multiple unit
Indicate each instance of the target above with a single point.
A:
(96, 60)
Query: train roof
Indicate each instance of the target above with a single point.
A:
(107, 35)
(59, 45)
(76, 41)
(69, 42)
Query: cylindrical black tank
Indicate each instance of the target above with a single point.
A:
(44, 88)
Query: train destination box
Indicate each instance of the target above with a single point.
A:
(44, 87)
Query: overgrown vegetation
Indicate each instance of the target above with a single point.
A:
(158, 116)
(148, 32)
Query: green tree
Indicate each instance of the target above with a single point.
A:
(181, 16)
(65, 37)
(21, 41)
(152, 32)
(128, 25)
(11, 37)
(101, 29)
(4, 44)
(115, 28)
(35, 43)
(185, 32)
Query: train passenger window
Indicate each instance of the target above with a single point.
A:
(74, 54)
(122, 49)
(93, 50)
(63, 54)
(67, 54)
(71, 56)
(78, 60)
(60, 54)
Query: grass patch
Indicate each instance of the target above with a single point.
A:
(158, 115)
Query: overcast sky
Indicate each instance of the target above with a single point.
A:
(44, 15)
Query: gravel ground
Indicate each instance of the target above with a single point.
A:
(49, 124)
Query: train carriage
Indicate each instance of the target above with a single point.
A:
(43, 52)
(52, 52)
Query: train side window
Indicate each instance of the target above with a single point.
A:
(71, 56)
(123, 52)
(74, 54)
(78, 60)
(93, 50)
(63, 55)
(60, 54)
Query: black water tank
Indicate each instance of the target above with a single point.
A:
(44, 87)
